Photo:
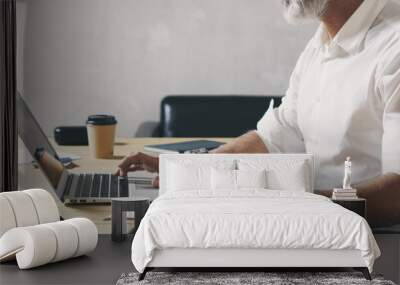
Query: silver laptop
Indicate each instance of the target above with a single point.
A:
(83, 188)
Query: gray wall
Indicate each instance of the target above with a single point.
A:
(79, 57)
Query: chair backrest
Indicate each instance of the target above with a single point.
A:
(212, 115)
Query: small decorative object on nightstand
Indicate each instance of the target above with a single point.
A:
(118, 216)
(357, 205)
(347, 192)
(347, 196)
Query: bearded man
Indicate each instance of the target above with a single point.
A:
(343, 100)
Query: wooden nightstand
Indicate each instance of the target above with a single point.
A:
(357, 205)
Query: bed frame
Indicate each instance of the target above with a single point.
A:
(242, 259)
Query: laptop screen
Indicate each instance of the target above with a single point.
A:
(37, 143)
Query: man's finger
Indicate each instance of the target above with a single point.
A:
(117, 172)
(134, 168)
(124, 171)
(156, 182)
(127, 161)
(121, 172)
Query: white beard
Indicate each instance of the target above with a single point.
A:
(298, 11)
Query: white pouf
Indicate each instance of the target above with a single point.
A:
(31, 233)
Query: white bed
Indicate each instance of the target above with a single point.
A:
(206, 226)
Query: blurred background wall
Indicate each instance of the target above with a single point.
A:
(79, 57)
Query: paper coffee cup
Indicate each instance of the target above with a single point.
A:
(101, 135)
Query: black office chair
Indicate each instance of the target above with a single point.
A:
(211, 116)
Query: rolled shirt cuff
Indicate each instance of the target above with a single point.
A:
(277, 137)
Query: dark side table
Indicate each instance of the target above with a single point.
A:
(119, 207)
(357, 205)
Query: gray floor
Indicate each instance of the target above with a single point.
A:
(110, 260)
(103, 266)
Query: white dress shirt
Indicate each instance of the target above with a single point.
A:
(344, 99)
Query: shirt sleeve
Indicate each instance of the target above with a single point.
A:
(278, 128)
(391, 123)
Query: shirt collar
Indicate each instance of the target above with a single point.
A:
(352, 34)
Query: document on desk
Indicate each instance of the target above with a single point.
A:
(66, 158)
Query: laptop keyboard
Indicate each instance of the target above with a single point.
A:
(87, 185)
(90, 185)
(79, 186)
(96, 186)
(104, 186)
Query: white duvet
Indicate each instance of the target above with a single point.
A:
(250, 219)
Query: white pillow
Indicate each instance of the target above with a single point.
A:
(251, 178)
(291, 175)
(225, 179)
(191, 176)
(293, 180)
(182, 177)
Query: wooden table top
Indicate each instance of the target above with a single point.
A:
(99, 214)
(123, 147)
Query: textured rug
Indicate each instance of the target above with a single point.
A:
(269, 278)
